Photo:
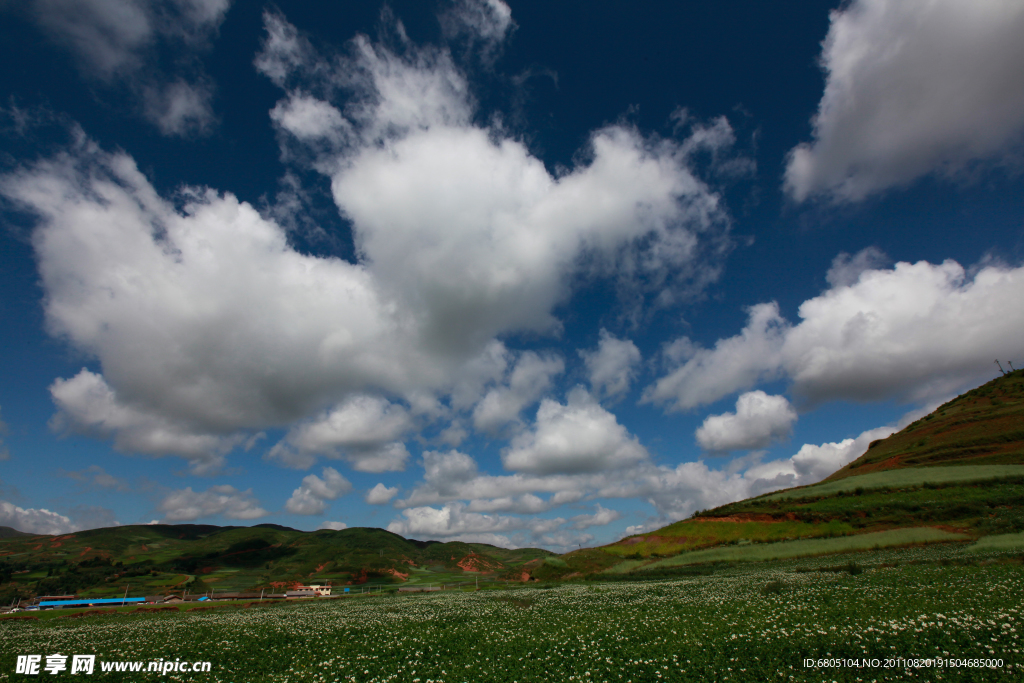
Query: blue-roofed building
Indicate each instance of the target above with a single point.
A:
(88, 602)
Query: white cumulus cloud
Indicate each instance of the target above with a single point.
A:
(363, 429)
(312, 496)
(915, 331)
(601, 517)
(186, 505)
(579, 436)
(208, 327)
(34, 520)
(381, 494)
(527, 382)
(759, 419)
(913, 87)
(611, 366)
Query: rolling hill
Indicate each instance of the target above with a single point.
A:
(955, 475)
(160, 558)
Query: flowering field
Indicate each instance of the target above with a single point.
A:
(754, 623)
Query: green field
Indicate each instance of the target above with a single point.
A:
(762, 552)
(903, 478)
(746, 623)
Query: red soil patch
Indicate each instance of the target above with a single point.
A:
(476, 563)
(84, 551)
(742, 517)
(18, 618)
(400, 575)
(38, 547)
(206, 570)
(143, 547)
(285, 584)
(147, 610)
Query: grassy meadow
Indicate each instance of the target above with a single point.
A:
(746, 622)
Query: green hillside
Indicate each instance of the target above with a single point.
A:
(955, 475)
(156, 559)
(984, 426)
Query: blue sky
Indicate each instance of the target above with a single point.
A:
(511, 273)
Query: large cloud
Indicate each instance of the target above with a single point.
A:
(208, 326)
(759, 418)
(915, 331)
(914, 86)
(118, 41)
(579, 436)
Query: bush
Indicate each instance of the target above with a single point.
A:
(853, 568)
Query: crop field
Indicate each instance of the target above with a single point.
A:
(913, 476)
(746, 623)
(806, 548)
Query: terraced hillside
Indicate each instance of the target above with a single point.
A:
(984, 426)
(955, 475)
(160, 558)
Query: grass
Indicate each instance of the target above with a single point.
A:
(802, 548)
(751, 623)
(902, 478)
(999, 542)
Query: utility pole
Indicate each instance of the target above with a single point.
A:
(125, 594)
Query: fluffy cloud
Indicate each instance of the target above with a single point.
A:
(759, 418)
(454, 522)
(333, 526)
(579, 436)
(34, 521)
(528, 381)
(601, 517)
(87, 404)
(471, 238)
(362, 429)
(847, 269)
(312, 496)
(186, 505)
(673, 492)
(915, 331)
(913, 87)
(117, 41)
(381, 494)
(612, 366)
(706, 375)
(208, 326)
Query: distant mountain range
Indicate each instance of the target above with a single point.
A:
(956, 474)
